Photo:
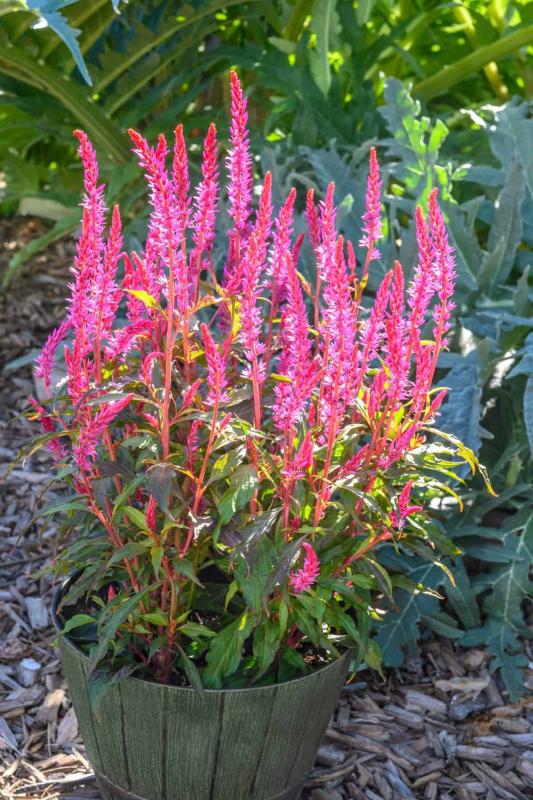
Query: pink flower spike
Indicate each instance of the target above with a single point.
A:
(404, 509)
(254, 262)
(205, 206)
(216, 368)
(313, 225)
(304, 578)
(239, 159)
(372, 215)
(44, 363)
(281, 247)
(421, 289)
(180, 176)
(444, 275)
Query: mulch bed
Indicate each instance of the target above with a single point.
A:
(440, 728)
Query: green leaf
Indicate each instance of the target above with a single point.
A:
(102, 679)
(244, 482)
(191, 670)
(109, 630)
(325, 23)
(225, 651)
(155, 618)
(452, 74)
(196, 631)
(126, 492)
(77, 621)
(159, 483)
(267, 640)
(137, 517)
(129, 550)
(399, 631)
(156, 554)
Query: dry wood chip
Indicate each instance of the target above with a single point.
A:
(431, 776)
(22, 698)
(522, 739)
(419, 700)
(490, 777)
(487, 754)
(49, 710)
(406, 717)
(37, 612)
(67, 730)
(7, 737)
(471, 686)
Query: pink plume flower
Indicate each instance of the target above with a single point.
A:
(191, 448)
(205, 205)
(396, 340)
(48, 426)
(44, 363)
(339, 326)
(313, 225)
(373, 329)
(421, 289)
(180, 177)
(444, 276)
(239, 162)
(166, 222)
(254, 261)
(296, 362)
(304, 578)
(216, 368)
(281, 249)
(399, 519)
(150, 513)
(106, 294)
(92, 430)
(372, 215)
(302, 460)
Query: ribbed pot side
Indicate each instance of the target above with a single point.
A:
(154, 742)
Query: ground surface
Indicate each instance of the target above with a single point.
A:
(439, 729)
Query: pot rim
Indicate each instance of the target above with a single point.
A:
(57, 595)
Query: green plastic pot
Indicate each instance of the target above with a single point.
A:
(155, 742)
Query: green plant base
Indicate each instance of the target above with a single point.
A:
(155, 742)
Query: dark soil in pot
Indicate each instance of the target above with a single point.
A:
(161, 742)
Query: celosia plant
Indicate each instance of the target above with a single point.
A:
(242, 444)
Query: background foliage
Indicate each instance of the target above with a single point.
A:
(327, 78)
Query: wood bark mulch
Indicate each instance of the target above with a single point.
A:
(440, 729)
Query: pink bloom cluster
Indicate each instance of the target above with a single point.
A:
(303, 368)
(304, 578)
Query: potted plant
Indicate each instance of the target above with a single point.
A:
(239, 443)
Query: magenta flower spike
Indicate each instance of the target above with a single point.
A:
(372, 215)
(281, 249)
(304, 578)
(422, 286)
(253, 267)
(216, 369)
(44, 362)
(296, 361)
(180, 177)
(399, 518)
(239, 164)
(444, 277)
(396, 340)
(205, 207)
(166, 222)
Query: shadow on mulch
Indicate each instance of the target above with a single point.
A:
(440, 729)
